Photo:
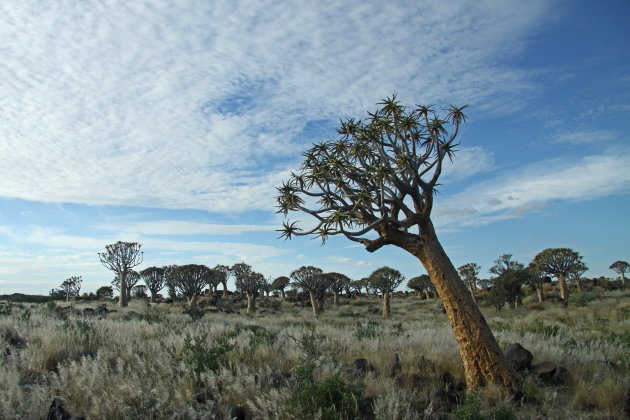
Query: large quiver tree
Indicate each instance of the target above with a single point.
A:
(121, 258)
(559, 263)
(380, 175)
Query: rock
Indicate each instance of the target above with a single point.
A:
(101, 310)
(393, 366)
(560, 376)
(544, 370)
(519, 357)
(366, 406)
(235, 412)
(88, 312)
(442, 400)
(362, 366)
(372, 310)
(57, 411)
(626, 404)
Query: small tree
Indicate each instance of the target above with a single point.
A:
(71, 286)
(536, 279)
(105, 292)
(248, 282)
(139, 291)
(576, 274)
(312, 280)
(133, 277)
(170, 281)
(190, 280)
(386, 280)
(280, 283)
(222, 273)
(155, 279)
(621, 268)
(421, 283)
(120, 258)
(337, 283)
(559, 263)
(379, 178)
(511, 276)
(468, 273)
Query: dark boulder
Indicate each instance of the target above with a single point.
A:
(442, 400)
(393, 366)
(544, 370)
(519, 357)
(362, 366)
(235, 412)
(366, 406)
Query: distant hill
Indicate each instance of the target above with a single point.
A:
(22, 298)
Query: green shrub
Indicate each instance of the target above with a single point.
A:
(371, 331)
(333, 397)
(261, 337)
(471, 410)
(539, 327)
(503, 411)
(201, 358)
(581, 299)
(6, 309)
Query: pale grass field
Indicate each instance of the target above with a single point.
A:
(139, 371)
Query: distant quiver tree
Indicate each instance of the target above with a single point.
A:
(380, 176)
(248, 282)
(386, 280)
(337, 283)
(621, 268)
(280, 283)
(190, 280)
(559, 263)
(120, 258)
(312, 280)
(155, 279)
(469, 273)
(71, 286)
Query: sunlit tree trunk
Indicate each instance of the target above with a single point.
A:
(540, 294)
(563, 287)
(484, 362)
(251, 303)
(314, 303)
(335, 299)
(386, 306)
(190, 301)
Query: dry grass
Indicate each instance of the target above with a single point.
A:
(140, 371)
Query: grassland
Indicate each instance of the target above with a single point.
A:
(154, 361)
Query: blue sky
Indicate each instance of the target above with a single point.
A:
(172, 124)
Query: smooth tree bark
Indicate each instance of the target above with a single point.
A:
(559, 263)
(386, 280)
(621, 268)
(120, 258)
(380, 176)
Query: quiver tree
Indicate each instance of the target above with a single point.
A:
(120, 258)
(312, 280)
(139, 291)
(133, 277)
(421, 283)
(507, 286)
(621, 268)
(170, 282)
(248, 282)
(337, 283)
(380, 176)
(559, 263)
(105, 292)
(536, 279)
(155, 279)
(386, 280)
(280, 283)
(71, 286)
(468, 273)
(190, 280)
(576, 274)
(222, 273)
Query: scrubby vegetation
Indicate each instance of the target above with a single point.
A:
(152, 360)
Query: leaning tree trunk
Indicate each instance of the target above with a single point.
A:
(472, 287)
(563, 288)
(386, 306)
(251, 303)
(483, 360)
(314, 303)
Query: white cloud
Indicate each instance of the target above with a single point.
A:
(530, 188)
(201, 105)
(180, 227)
(585, 137)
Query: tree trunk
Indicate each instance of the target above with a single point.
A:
(122, 299)
(540, 293)
(386, 307)
(367, 291)
(483, 360)
(472, 291)
(578, 283)
(251, 303)
(282, 291)
(426, 294)
(225, 293)
(153, 298)
(190, 301)
(563, 288)
(314, 303)
(623, 281)
(335, 299)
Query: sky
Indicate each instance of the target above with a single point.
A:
(171, 124)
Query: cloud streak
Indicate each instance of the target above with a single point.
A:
(204, 106)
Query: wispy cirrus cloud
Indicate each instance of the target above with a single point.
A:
(514, 193)
(203, 106)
